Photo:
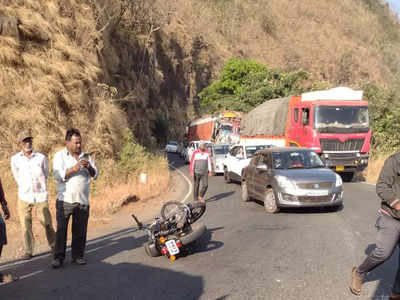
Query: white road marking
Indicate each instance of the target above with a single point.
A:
(187, 180)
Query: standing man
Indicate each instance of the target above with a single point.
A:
(387, 224)
(30, 170)
(200, 169)
(73, 170)
(3, 233)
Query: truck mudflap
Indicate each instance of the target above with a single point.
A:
(345, 162)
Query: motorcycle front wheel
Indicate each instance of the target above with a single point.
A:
(170, 208)
(197, 210)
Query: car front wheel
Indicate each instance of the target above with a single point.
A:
(245, 192)
(227, 178)
(270, 204)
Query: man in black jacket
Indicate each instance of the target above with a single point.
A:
(3, 235)
(388, 225)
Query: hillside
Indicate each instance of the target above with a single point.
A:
(58, 59)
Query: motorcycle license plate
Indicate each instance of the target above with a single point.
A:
(339, 168)
(172, 247)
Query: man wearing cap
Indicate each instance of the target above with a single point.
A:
(30, 170)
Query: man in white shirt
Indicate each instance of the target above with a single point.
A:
(73, 169)
(30, 170)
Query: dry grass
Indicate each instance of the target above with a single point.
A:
(375, 165)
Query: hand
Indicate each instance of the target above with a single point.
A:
(192, 174)
(5, 211)
(397, 206)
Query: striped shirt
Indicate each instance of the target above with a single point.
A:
(200, 162)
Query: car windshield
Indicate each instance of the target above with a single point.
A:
(296, 160)
(172, 143)
(251, 150)
(342, 118)
(224, 149)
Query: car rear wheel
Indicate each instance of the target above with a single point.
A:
(227, 178)
(270, 204)
(245, 192)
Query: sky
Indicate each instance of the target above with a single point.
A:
(395, 6)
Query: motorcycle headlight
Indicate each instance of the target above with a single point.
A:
(285, 183)
(339, 181)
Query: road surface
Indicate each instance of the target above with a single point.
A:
(246, 254)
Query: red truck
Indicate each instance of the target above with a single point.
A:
(221, 129)
(334, 123)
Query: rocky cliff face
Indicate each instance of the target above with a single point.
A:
(106, 65)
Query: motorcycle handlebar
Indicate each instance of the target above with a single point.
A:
(139, 224)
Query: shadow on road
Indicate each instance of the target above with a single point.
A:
(205, 243)
(220, 196)
(113, 272)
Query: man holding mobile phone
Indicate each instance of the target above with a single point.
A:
(73, 169)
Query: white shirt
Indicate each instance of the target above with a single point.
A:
(31, 174)
(75, 188)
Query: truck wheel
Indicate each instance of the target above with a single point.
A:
(227, 178)
(347, 176)
(245, 192)
(270, 204)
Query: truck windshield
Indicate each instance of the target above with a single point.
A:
(346, 119)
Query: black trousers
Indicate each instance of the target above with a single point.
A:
(203, 179)
(80, 217)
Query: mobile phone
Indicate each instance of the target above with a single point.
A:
(85, 156)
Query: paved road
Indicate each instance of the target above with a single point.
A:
(246, 254)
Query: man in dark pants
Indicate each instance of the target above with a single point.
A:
(73, 170)
(3, 233)
(388, 225)
(200, 168)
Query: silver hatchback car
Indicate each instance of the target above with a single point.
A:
(290, 177)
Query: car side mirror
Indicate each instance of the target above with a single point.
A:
(262, 167)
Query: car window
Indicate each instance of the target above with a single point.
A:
(251, 150)
(221, 149)
(172, 143)
(296, 159)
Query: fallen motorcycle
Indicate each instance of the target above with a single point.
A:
(170, 234)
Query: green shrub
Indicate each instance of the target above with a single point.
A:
(244, 84)
(133, 156)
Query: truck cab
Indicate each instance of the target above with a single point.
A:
(335, 124)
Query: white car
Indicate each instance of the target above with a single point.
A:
(193, 146)
(219, 155)
(237, 159)
(172, 146)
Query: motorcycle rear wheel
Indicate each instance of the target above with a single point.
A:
(197, 230)
(151, 249)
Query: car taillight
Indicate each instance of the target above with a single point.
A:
(164, 251)
(179, 244)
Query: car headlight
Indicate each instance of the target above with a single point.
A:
(285, 183)
(339, 181)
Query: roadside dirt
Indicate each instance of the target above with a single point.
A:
(144, 209)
